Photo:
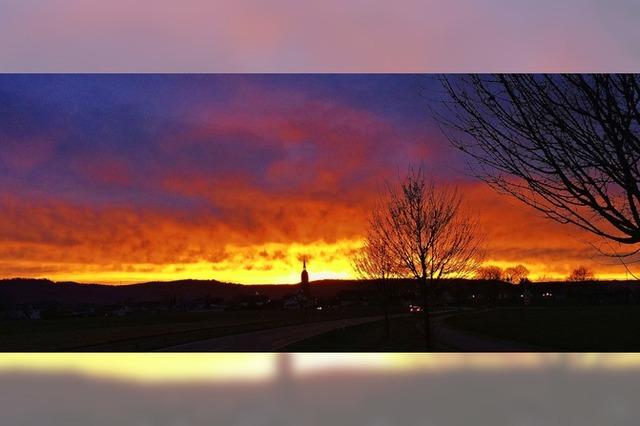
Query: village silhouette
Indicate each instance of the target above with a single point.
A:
(193, 315)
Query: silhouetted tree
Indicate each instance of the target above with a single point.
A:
(375, 259)
(490, 272)
(567, 145)
(429, 234)
(581, 274)
(515, 274)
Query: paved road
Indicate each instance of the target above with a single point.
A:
(270, 340)
(446, 338)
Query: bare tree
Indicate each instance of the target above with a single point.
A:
(375, 260)
(429, 234)
(516, 274)
(490, 272)
(568, 145)
(581, 274)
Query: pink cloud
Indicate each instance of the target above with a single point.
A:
(26, 154)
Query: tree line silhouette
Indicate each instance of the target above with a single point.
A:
(566, 145)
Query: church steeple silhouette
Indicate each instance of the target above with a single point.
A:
(304, 279)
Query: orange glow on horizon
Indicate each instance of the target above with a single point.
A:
(278, 272)
(280, 263)
(325, 261)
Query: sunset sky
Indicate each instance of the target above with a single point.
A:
(126, 178)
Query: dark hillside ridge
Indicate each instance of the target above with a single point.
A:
(17, 291)
(43, 291)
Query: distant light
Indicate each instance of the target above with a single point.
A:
(522, 295)
(319, 308)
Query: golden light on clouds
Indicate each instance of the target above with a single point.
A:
(274, 263)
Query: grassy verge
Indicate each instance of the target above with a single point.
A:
(404, 337)
(590, 329)
(149, 331)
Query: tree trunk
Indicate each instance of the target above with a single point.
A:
(425, 316)
(385, 304)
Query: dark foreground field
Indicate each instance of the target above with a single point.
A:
(587, 329)
(552, 328)
(153, 331)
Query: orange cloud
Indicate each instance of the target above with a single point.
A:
(516, 233)
(258, 238)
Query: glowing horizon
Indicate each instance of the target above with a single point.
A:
(202, 272)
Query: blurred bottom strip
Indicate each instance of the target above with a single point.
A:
(207, 367)
(310, 389)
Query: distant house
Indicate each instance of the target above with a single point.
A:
(22, 313)
(13, 314)
(81, 311)
(294, 302)
(34, 314)
(357, 297)
(255, 301)
(121, 311)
